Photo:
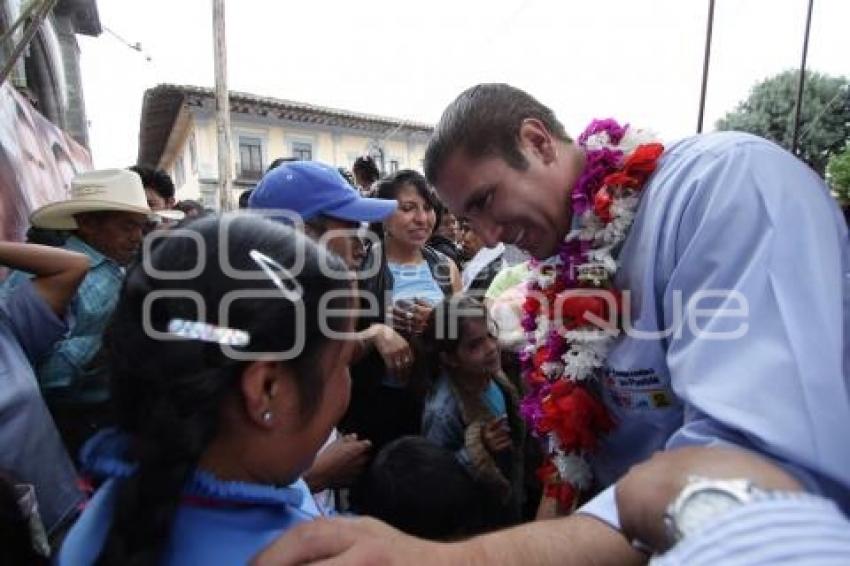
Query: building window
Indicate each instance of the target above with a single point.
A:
(393, 166)
(250, 158)
(302, 151)
(179, 172)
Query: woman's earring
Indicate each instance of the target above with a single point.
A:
(267, 417)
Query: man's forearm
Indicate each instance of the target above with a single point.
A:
(575, 540)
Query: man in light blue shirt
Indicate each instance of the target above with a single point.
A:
(736, 246)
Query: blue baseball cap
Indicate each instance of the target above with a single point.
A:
(309, 189)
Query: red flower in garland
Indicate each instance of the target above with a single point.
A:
(575, 415)
(536, 376)
(636, 169)
(563, 492)
(602, 201)
(576, 309)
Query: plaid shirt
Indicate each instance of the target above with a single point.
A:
(66, 374)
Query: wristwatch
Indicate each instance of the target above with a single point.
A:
(701, 500)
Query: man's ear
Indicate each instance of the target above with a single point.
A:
(536, 139)
(266, 394)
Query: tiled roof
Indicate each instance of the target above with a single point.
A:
(162, 103)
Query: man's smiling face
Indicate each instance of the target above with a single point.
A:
(529, 208)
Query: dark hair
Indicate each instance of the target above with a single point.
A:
(346, 174)
(444, 329)
(280, 160)
(156, 179)
(420, 488)
(367, 167)
(390, 187)
(167, 394)
(485, 121)
(190, 206)
(245, 197)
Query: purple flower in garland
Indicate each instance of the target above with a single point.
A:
(531, 407)
(555, 346)
(598, 164)
(610, 125)
(572, 254)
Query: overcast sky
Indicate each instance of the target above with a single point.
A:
(639, 61)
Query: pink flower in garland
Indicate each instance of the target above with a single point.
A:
(598, 164)
(611, 126)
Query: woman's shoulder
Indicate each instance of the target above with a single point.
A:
(86, 538)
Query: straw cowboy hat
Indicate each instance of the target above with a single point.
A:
(116, 190)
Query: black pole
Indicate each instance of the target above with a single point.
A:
(800, 85)
(706, 59)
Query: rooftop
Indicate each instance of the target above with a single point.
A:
(162, 103)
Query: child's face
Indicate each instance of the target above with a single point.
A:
(477, 353)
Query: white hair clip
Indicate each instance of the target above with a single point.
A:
(273, 271)
(205, 332)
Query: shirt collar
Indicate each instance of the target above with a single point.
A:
(95, 257)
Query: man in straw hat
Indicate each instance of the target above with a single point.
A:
(106, 215)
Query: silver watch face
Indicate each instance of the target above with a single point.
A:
(701, 506)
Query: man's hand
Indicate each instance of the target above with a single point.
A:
(338, 465)
(496, 435)
(646, 491)
(351, 541)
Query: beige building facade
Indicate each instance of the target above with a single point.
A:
(178, 134)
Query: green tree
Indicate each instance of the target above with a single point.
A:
(769, 112)
(838, 175)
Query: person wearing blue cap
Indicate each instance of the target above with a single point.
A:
(332, 211)
(317, 195)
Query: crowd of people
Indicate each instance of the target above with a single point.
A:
(544, 350)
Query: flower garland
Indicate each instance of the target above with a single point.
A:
(569, 300)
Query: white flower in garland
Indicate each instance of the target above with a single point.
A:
(586, 336)
(552, 369)
(574, 469)
(542, 331)
(635, 137)
(598, 141)
(582, 360)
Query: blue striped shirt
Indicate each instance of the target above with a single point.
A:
(792, 529)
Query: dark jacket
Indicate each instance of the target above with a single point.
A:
(378, 412)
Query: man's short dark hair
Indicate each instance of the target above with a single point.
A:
(156, 179)
(485, 121)
(366, 166)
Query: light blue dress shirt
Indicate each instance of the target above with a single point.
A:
(747, 239)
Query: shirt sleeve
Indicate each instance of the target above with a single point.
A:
(33, 322)
(760, 272)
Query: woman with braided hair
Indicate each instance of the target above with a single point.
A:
(225, 384)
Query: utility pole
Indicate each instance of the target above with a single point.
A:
(705, 61)
(222, 110)
(801, 84)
